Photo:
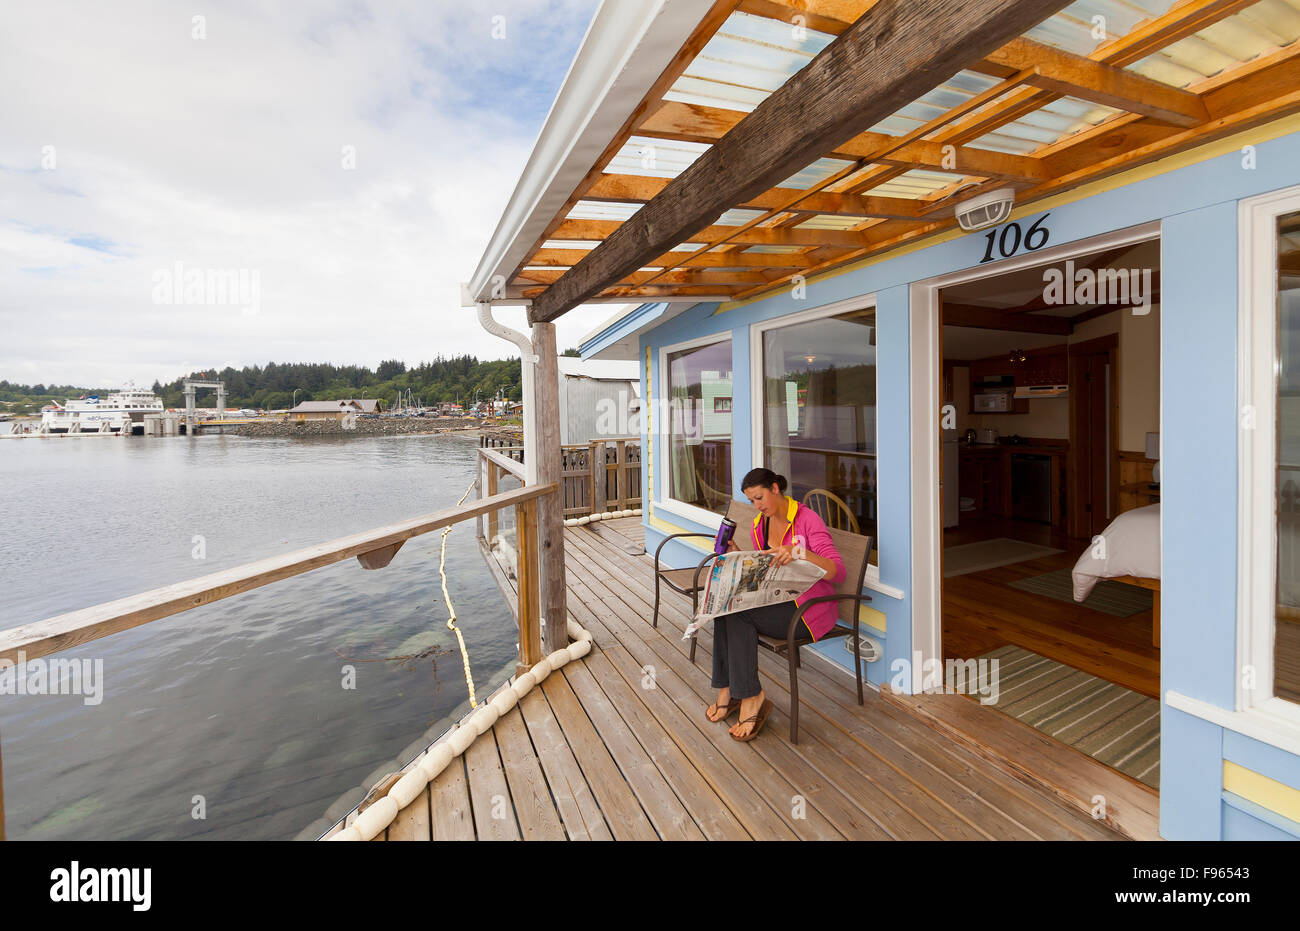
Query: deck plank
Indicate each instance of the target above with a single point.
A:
(573, 797)
(538, 819)
(412, 822)
(708, 811)
(494, 813)
(450, 814)
(665, 810)
(622, 809)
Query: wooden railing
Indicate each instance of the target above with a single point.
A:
(373, 549)
(602, 475)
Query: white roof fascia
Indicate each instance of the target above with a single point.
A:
(626, 49)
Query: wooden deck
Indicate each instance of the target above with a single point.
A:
(616, 746)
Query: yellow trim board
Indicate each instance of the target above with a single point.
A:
(1160, 166)
(1277, 797)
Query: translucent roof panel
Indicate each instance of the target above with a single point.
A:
(917, 183)
(1044, 126)
(654, 158)
(745, 61)
(599, 210)
(830, 222)
(1253, 32)
(1082, 27)
(591, 244)
(815, 173)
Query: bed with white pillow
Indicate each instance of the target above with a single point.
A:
(1128, 551)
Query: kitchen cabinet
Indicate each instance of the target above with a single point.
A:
(984, 475)
(1047, 366)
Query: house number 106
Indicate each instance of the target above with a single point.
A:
(1011, 239)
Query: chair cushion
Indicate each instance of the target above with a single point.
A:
(682, 580)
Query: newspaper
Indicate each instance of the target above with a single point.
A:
(742, 580)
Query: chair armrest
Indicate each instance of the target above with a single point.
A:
(798, 614)
(699, 568)
(674, 536)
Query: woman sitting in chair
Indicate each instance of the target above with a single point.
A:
(782, 524)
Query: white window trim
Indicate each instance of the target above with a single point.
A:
(1258, 712)
(670, 504)
(756, 331)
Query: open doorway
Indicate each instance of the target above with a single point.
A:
(1050, 382)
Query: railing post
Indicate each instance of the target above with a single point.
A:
(530, 631)
(550, 510)
(492, 474)
(620, 474)
(597, 476)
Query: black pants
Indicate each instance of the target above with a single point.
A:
(735, 645)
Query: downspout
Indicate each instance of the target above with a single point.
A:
(528, 363)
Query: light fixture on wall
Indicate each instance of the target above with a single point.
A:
(1153, 452)
(1017, 355)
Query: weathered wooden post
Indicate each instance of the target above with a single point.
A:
(492, 473)
(530, 635)
(620, 474)
(550, 510)
(597, 476)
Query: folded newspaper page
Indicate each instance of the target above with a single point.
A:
(743, 580)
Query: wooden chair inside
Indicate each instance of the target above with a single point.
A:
(832, 509)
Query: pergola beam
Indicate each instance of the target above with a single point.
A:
(899, 51)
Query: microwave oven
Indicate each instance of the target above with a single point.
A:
(992, 402)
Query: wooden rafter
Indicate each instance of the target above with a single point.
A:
(893, 55)
(1156, 119)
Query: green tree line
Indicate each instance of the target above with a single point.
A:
(271, 386)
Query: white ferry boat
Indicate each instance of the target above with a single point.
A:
(121, 412)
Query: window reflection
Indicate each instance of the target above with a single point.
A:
(819, 415)
(699, 426)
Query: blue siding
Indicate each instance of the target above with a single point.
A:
(1197, 208)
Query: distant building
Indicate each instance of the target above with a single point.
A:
(597, 398)
(342, 411)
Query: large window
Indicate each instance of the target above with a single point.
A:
(699, 426)
(1286, 642)
(819, 415)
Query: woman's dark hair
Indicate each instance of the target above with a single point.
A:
(765, 477)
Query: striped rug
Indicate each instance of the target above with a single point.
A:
(1118, 599)
(1110, 723)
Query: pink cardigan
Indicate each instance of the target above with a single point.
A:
(805, 523)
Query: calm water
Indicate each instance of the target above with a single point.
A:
(240, 702)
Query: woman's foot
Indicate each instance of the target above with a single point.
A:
(721, 709)
(749, 708)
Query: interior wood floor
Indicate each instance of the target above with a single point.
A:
(981, 612)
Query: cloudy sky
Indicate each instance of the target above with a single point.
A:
(350, 158)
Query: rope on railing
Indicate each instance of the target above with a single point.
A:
(426, 767)
(451, 611)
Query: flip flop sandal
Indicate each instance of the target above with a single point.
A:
(731, 706)
(759, 720)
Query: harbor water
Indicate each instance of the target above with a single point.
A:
(247, 718)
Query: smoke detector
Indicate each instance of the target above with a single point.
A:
(985, 209)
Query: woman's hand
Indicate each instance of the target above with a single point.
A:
(784, 554)
(732, 547)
